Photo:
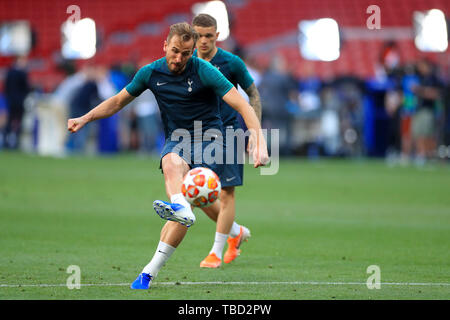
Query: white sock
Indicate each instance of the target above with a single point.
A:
(162, 254)
(219, 244)
(180, 199)
(235, 230)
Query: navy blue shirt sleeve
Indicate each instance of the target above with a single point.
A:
(140, 81)
(243, 77)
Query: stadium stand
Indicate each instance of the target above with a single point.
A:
(130, 32)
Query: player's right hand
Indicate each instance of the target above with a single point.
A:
(73, 125)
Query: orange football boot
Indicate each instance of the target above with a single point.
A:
(211, 261)
(234, 243)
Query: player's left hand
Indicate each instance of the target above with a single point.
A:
(259, 149)
(251, 144)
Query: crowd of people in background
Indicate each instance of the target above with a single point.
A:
(400, 114)
(34, 120)
(415, 101)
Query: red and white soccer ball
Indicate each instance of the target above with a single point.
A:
(201, 187)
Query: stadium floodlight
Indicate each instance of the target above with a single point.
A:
(15, 38)
(218, 10)
(430, 30)
(78, 39)
(319, 39)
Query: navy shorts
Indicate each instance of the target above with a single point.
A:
(233, 174)
(209, 154)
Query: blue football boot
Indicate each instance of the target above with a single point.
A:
(174, 212)
(143, 281)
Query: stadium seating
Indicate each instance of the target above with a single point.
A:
(263, 20)
(255, 22)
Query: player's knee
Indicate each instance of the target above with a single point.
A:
(174, 165)
(227, 194)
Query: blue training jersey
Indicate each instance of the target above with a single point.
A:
(234, 69)
(186, 97)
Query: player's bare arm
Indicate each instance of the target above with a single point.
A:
(237, 102)
(254, 100)
(104, 110)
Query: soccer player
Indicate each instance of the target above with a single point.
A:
(234, 69)
(186, 89)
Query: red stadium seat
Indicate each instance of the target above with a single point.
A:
(255, 22)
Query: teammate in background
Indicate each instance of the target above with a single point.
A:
(234, 69)
(186, 89)
(423, 126)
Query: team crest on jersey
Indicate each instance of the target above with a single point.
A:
(190, 82)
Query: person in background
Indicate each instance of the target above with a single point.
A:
(409, 105)
(3, 118)
(60, 106)
(277, 88)
(390, 61)
(16, 89)
(428, 93)
(223, 212)
(148, 122)
(108, 129)
(84, 98)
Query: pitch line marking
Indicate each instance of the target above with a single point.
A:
(172, 283)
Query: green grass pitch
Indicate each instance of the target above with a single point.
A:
(316, 228)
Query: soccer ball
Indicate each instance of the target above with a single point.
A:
(201, 187)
